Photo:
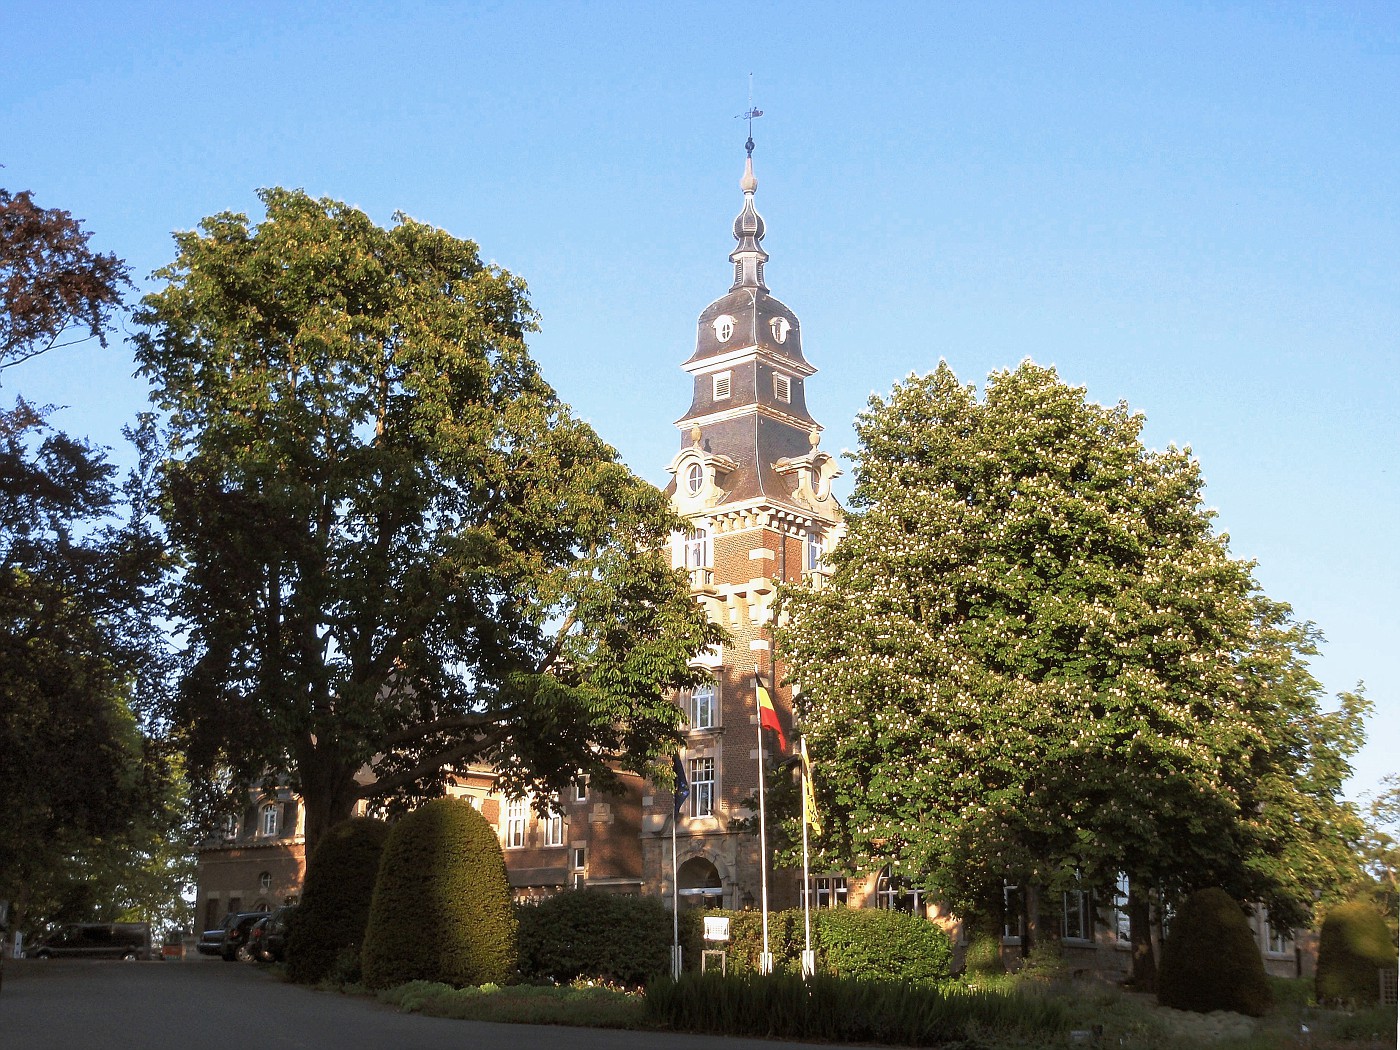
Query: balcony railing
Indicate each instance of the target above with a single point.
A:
(702, 579)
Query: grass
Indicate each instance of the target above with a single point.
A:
(580, 1005)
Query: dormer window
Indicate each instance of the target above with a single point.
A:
(782, 388)
(269, 814)
(724, 328)
(695, 478)
(722, 384)
(779, 327)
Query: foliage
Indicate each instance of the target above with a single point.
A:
(402, 550)
(825, 1008)
(576, 1006)
(1354, 944)
(594, 934)
(875, 944)
(1380, 851)
(442, 905)
(54, 290)
(1035, 661)
(983, 955)
(335, 898)
(1210, 960)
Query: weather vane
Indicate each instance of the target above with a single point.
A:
(749, 115)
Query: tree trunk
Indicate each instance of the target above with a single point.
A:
(328, 794)
(1031, 902)
(1140, 931)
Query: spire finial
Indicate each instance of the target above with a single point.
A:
(749, 115)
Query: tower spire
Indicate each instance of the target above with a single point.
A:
(748, 258)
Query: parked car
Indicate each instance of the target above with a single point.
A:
(211, 942)
(268, 941)
(237, 928)
(96, 940)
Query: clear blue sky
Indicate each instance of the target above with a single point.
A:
(1193, 207)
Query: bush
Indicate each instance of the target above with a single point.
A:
(1354, 943)
(834, 1009)
(594, 934)
(442, 904)
(874, 944)
(982, 957)
(335, 899)
(1210, 960)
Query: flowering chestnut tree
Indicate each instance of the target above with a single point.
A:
(1037, 663)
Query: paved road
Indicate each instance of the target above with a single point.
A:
(211, 1005)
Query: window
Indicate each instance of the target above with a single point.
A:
(779, 327)
(721, 385)
(724, 327)
(1275, 940)
(230, 828)
(1013, 922)
(702, 787)
(813, 559)
(831, 891)
(578, 858)
(269, 815)
(782, 388)
(702, 706)
(516, 810)
(695, 478)
(896, 893)
(697, 549)
(581, 789)
(1122, 929)
(554, 829)
(1077, 923)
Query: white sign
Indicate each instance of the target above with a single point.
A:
(716, 928)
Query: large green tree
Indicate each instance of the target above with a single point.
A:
(1038, 663)
(401, 551)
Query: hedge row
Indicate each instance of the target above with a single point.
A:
(593, 934)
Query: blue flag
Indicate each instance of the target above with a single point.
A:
(682, 785)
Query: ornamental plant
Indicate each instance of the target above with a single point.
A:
(1353, 946)
(442, 903)
(335, 898)
(1210, 960)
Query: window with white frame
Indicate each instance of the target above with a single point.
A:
(815, 553)
(722, 383)
(1276, 941)
(782, 388)
(581, 789)
(896, 893)
(1013, 923)
(578, 857)
(517, 809)
(268, 818)
(265, 881)
(1077, 920)
(230, 828)
(697, 549)
(702, 706)
(694, 478)
(554, 829)
(831, 891)
(1122, 927)
(702, 787)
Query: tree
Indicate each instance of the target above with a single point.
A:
(88, 797)
(54, 290)
(1037, 664)
(400, 549)
(1211, 960)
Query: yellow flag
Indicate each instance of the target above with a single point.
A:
(809, 797)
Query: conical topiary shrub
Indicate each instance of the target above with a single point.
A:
(329, 926)
(1353, 947)
(1210, 960)
(442, 904)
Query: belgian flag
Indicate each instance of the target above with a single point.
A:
(767, 713)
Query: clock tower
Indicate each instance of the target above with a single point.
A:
(755, 489)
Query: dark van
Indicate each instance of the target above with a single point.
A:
(96, 940)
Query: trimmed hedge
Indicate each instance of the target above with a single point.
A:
(873, 944)
(594, 934)
(1354, 944)
(330, 923)
(442, 906)
(1210, 960)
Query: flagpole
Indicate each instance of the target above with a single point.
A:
(677, 801)
(809, 961)
(765, 963)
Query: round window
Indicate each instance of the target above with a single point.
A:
(724, 328)
(695, 478)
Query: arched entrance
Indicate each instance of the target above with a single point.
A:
(699, 885)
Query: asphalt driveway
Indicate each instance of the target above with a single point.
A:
(207, 1004)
